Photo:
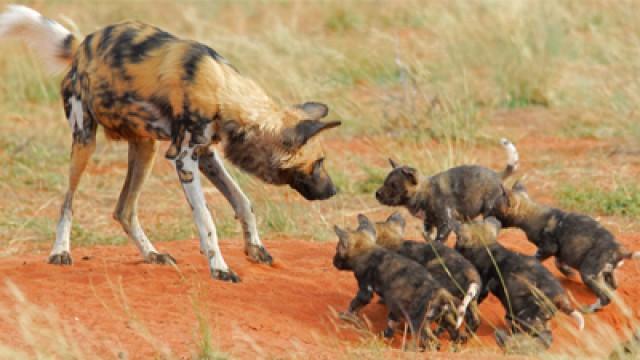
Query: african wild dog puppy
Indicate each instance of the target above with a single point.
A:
(529, 293)
(577, 241)
(447, 266)
(145, 85)
(409, 292)
(468, 190)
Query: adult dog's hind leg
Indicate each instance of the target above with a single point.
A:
(83, 147)
(186, 164)
(212, 167)
(142, 154)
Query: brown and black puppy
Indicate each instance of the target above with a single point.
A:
(447, 266)
(409, 292)
(468, 190)
(577, 241)
(529, 293)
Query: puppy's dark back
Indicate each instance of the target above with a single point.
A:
(579, 236)
(529, 284)
(467, 188)
(443, 263)
(405, 285)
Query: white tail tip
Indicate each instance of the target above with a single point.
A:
(635, 255)
(462, 309)
(579, 319)
(512, 152)
(43, 35)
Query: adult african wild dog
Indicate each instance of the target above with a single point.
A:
(529, 293)
(409, 292)
(446, 265)
(145, 85)
(577, 241)
(468, 190)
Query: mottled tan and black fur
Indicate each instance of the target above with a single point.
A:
(468, 190)
(529, 293)
(143, 85)
(409, 292)
(446, 265)
(577, 241)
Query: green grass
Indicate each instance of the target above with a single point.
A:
(623, 200)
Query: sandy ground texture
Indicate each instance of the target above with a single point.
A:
(114, 305)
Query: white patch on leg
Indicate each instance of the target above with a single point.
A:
(76, 119)
(620, 264)
(201, 215)
(595, 306)
(139, 238)
(63, 233)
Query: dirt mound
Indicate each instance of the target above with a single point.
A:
(113, 304)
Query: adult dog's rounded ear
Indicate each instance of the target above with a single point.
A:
(411, 174)
(314, 110)
(393, 163)
(298, 135)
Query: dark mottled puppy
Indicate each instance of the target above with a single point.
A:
(410, 293)
(468, 190)
(447, 266)
(577, 241)
(527, 290)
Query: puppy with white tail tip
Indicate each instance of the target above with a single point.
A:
(447, 266)
(468, 190)
(576, 241)
(410, 293)
(529, 293)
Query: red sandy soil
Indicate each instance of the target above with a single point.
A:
(108, 300)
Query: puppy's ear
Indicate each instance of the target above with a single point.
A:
(364, 224)
(393, 163)
(397, 218)
(343, 236)
(314, 110)
(518, 186)
(411, 174)
(497, 225)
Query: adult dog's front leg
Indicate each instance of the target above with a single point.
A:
(187, 163)
(212, 167)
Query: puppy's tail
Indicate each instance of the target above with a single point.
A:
(579, 319)
(51, 41)
(462, 309)
(512, 158)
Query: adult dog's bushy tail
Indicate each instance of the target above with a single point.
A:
(512, 158)
(50, 40)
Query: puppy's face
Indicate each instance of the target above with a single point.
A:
(352, 243)
(399, 186)
(390, 233)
